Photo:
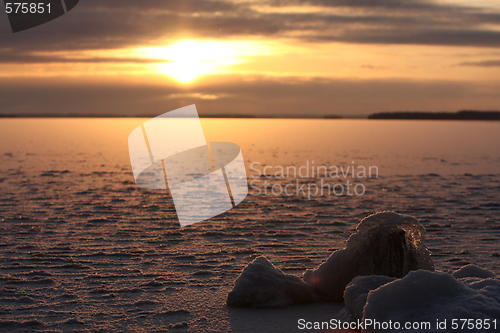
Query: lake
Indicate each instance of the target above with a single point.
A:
(84, 248)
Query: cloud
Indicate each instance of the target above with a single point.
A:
(47, 59)
(115, 24)
(242, 95)
(486, 63)
(372, 67)
(195, 96)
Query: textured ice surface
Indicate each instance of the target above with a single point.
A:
(473, 271)
(356, 293)
(428, 296)
(385, 243)
(261, 285)
(83, 248)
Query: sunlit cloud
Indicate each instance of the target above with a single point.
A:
(190, 59)
(209, 97)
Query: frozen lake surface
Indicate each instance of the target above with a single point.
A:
(83, 248)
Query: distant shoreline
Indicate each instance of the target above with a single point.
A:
(460, 115)
(223, 116)
(417, 115)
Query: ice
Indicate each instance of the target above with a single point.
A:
(473, 271)
(356, 293)
(424, 296)
(484, 284)
(261, 285)
(385, 243)
(107, 244)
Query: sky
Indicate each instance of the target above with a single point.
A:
(283, 58)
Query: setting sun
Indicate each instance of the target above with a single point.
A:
(189, 59)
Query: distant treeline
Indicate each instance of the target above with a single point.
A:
(460, 115)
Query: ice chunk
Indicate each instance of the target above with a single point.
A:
(261, 285)
(385, 243)
(484, 284)
(356, 293)
(424, 296)
(473, 271)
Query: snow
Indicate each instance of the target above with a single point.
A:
(356, 293)
(473, 271)
(430, 296)
(261, 285)
(385, 243)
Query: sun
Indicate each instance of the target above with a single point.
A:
(189, 59)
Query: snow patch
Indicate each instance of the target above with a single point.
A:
(356, 293)
(473, 271)
(428, 296)
(261, 285)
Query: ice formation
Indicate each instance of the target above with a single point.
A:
(356, 293)
(261, 285)
(385, 243)
(424, 296)
(473, 271)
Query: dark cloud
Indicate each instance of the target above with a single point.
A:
(356, 3)
(111, 24)
(14, 58)
(92, 60)
(236, 95)
(486, 63)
